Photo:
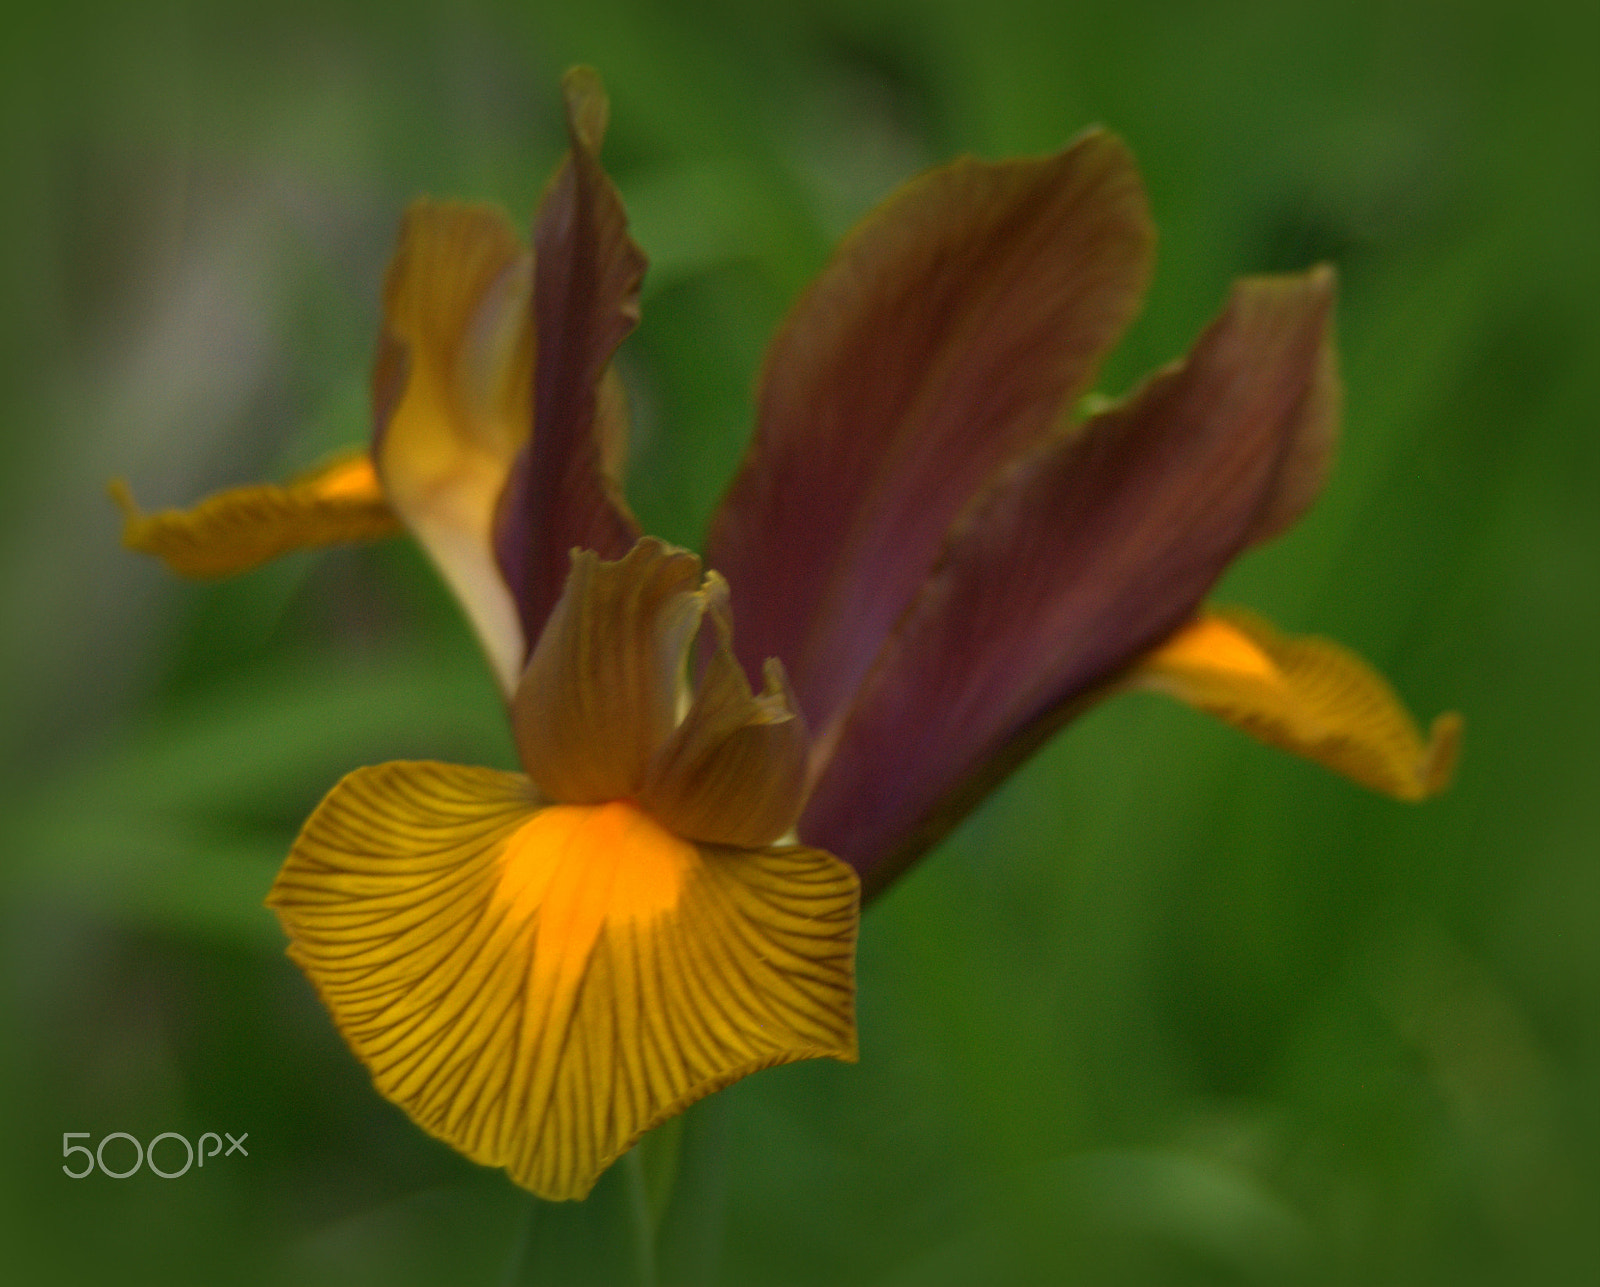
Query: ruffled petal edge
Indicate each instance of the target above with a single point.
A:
(539, 986)
(339, 501)
(1306, 695)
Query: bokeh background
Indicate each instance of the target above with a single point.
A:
(1170, 1008)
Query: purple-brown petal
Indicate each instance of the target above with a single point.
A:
(1093, 549)
(563, 491)
(946, 336)
(1309, 454)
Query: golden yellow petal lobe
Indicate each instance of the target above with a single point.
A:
(1306, 695)
(1210, 644)
(456, 300)
(236, 530)
(539, 986)
(352, 478)
(452, 397)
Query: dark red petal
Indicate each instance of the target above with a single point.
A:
(563, 492)
(948, 333)
(1094, 549)
(1309, 454)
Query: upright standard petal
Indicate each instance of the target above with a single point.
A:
(237, 530)
(540, 986)
(452, 391)
(564, 490)
(1306, 695)
(951, 330)
(1092, 551)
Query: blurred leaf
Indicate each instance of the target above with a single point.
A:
(184, 823)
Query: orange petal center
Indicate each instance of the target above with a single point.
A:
(1211, 644)
(579, 865)
(354, 479)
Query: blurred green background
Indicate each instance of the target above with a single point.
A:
(1170, 1008)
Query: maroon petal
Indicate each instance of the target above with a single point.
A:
(563, 491)
(1309, 454)
(950, 330)
(1095, 548)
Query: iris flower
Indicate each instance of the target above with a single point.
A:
(937, 550)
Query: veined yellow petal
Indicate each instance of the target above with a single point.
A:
(239, 529)
(1306, 695)
(452, 395)
(539, 986)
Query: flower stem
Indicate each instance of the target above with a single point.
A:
(604, 1241)
(655, 1219)
(692, 1220)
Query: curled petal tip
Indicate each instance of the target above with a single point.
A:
(1299, 304)
(734, 770)
(1305, 695)
(122, 496)
(239, 529)
(1438, 767)
(588, 109)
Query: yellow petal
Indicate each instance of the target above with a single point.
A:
(452, 395)
(540, 986)
(1305, 695)
(236, 530)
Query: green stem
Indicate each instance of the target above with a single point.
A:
(692, 1222)
(655, 1219)
(604, 1241)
